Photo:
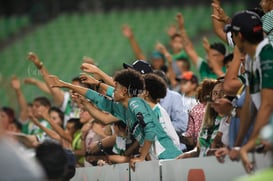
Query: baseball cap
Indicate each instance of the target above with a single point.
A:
(157, 55)
(188, 76)
(141, 66)
(246, 22)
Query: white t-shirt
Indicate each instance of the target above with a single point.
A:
(69, 108)
(166, 123)
(224, 128)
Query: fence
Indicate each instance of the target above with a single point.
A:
(173, 170)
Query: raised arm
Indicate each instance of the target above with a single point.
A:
(57, 128)
(54, 81)
(100, 115)
(41, 85)
(49, 132)
(128, 33)
(163, 50)
(89, 68)
(219, 19)
(15, 84)
(58, 94)
(187, 44)
(231, 83)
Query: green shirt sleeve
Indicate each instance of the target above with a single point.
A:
(266, 59)
(106, 104)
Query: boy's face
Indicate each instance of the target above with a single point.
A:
(176, 44)
(70, 129)
(119, 92)
(84, 116)
(217, 92)
(187, 86)
(237, 39)
(157, 63)
(38, 109)
(216, 56)
(55, 117)
(182, 66)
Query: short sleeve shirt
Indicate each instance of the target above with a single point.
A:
(205, 71)
(259, 71)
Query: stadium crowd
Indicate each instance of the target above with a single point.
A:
(153, 109)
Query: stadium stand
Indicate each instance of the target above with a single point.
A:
(62, 42)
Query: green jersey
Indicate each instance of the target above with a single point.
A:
(205, 71)
(259, 71)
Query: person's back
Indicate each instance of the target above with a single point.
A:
(166, 124)
(173, 104)
(16, 165)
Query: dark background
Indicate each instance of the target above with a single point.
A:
(43, 10)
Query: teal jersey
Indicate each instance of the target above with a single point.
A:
(141, 121)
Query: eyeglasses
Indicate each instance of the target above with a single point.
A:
(220, 93)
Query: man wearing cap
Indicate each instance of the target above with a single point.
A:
(247, 34)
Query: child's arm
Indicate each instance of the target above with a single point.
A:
(58, 128)
(49, 132)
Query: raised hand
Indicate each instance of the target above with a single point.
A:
(89, 68)
(127, 31)
(55, 82)
(15, 83)
(220, 14)
(180, 20)
(87, 79)
(206, 44)
(35, 59)
(161, 48)
(88, 60)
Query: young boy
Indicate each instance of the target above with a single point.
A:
(189, 84)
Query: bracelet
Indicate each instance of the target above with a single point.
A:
(237, 148)
(98, 85)
(100, 146)
(40, 66)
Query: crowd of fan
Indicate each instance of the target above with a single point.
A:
(156, 109)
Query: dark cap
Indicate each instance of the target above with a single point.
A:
(188, 76)
(246, 22)
(141, 66)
